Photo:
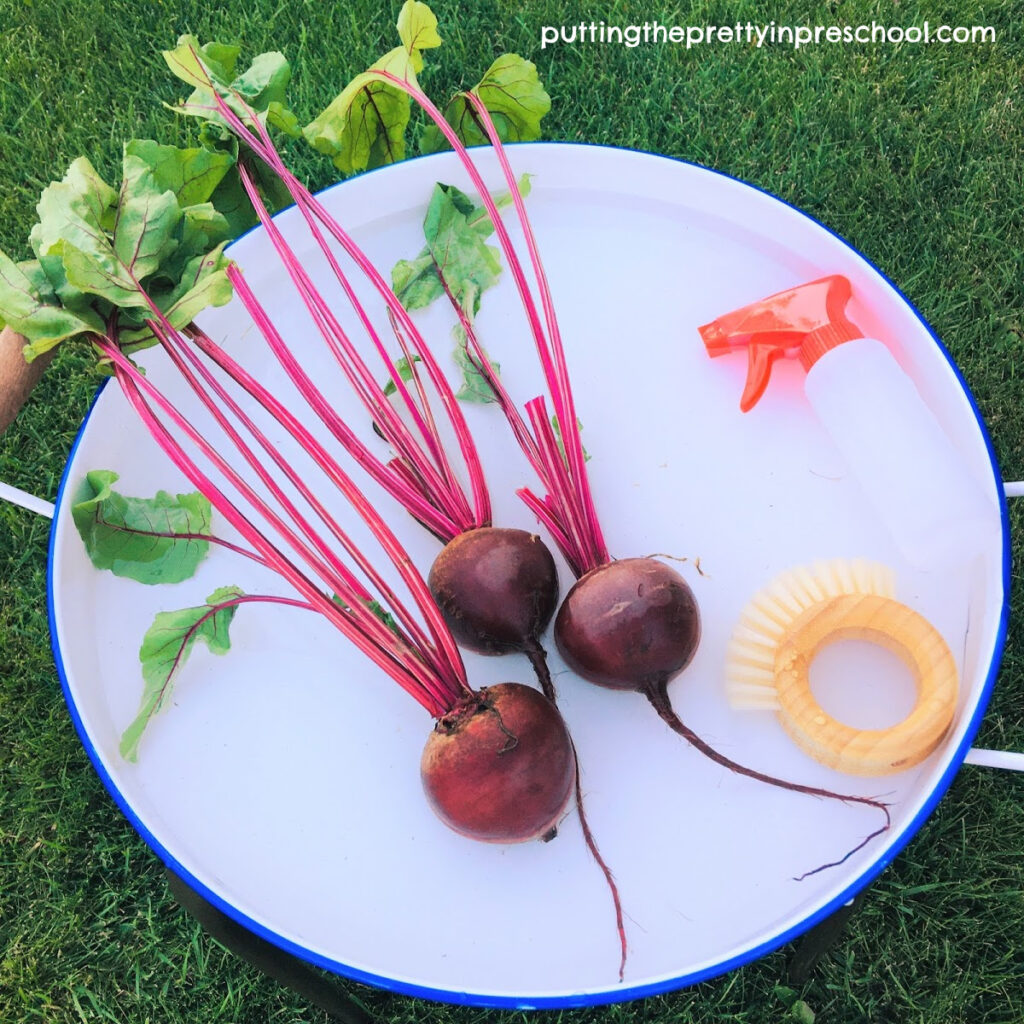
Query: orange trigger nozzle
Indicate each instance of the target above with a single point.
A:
(805, 321)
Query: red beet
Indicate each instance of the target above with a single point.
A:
(500, 768)
(629, 624)
(496, 588)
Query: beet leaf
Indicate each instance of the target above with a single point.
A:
(203, 283)
(405, 373)
(151, 540)
(261, 89)
(145, 221)
(378, 609)
(261, 86)
(191, 174)
(474, 387)
(167, 646)
(365, 125)
(557, 428)
(29, 305)
(456, 261)
(465, 262)
(78, 218)
(104, 257)
(511, 91)
(416, 281)
(417, 28)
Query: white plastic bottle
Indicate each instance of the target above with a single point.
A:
(917, 481)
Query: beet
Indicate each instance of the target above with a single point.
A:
(629, 625)
(500, 768)
(497, 589)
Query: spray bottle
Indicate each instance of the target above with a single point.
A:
(916, 480)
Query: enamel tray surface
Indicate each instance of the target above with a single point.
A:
(283, 782)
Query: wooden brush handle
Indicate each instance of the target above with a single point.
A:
(891, 625)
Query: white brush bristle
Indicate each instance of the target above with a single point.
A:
(750, 659)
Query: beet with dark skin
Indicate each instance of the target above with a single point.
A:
(497, 588)
(501, 767)
(629, 625)
(634, 625)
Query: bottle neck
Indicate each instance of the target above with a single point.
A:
(825, 338)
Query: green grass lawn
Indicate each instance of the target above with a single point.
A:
(913, 154)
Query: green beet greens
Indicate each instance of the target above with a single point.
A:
(167, 645)
(457, 259)
(131, 266)
(151, 540)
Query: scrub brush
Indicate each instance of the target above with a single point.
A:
(791, 619)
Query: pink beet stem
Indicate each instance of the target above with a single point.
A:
(265, 599)
(450, 669)
(180, 352)
(594, 552)
(323, 459)
(362, 381)
(411, 497)
(411, 359)
(352, 363)
(129, 379)
(354, 597)
(561, 390)
(263, 147)
(478, 357)
(563, 502)
(467, 447)
(328, 566)
(556, 512)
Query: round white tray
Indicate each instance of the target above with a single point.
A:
(283, 783)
